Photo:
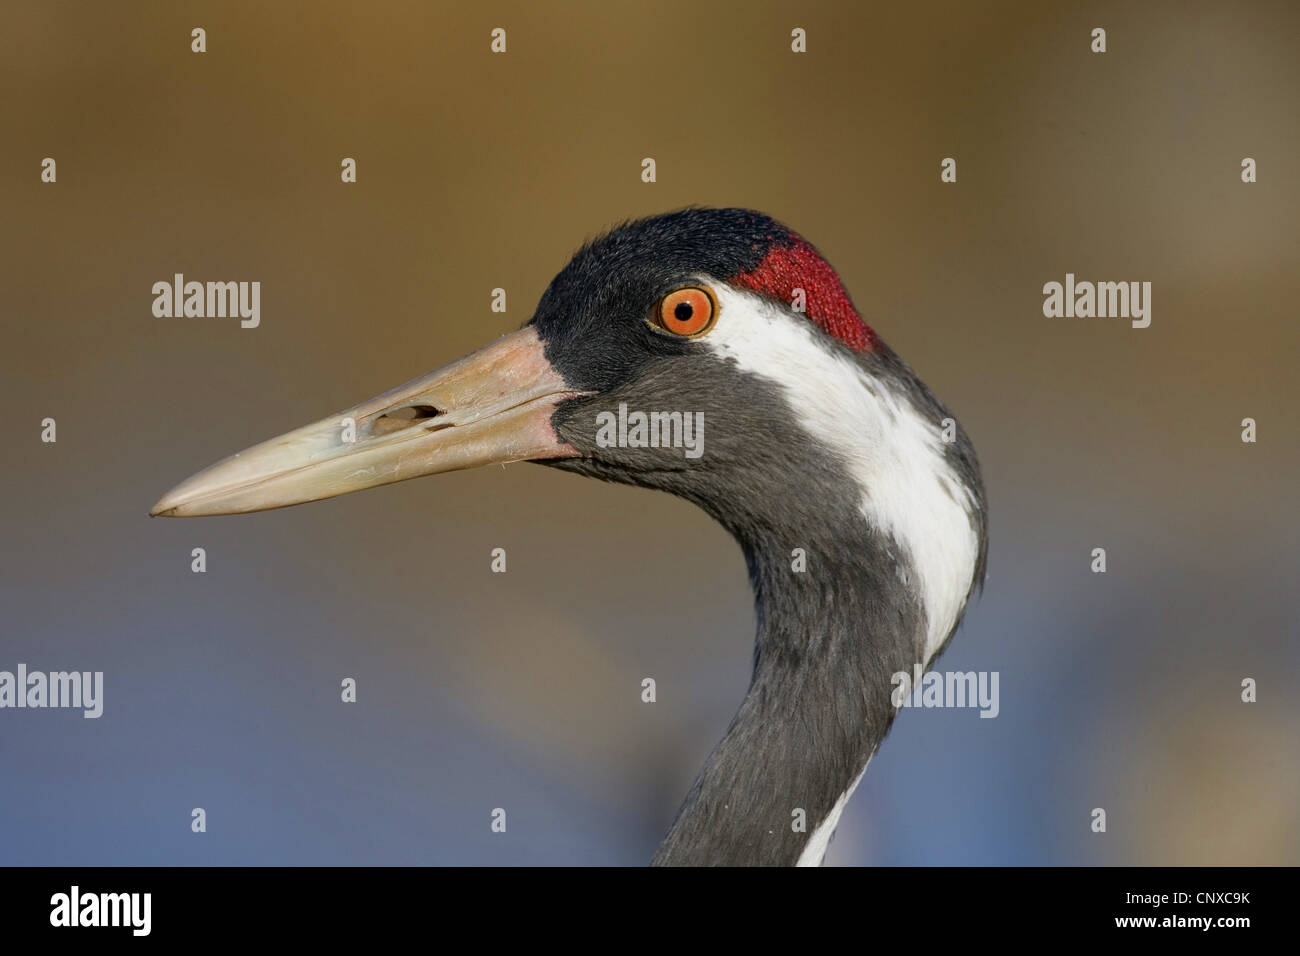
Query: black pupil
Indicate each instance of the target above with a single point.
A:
(683, 311)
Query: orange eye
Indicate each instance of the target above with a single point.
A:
(687, 311)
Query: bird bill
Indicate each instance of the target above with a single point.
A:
(490, 407)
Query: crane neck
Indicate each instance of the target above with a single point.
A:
(836, 619)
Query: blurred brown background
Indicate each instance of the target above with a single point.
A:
(521, 690)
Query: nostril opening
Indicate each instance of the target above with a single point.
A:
(404, 418)
(414, 411)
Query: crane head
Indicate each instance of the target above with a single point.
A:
(710, 353)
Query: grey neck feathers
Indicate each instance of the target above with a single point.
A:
(829, 640)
